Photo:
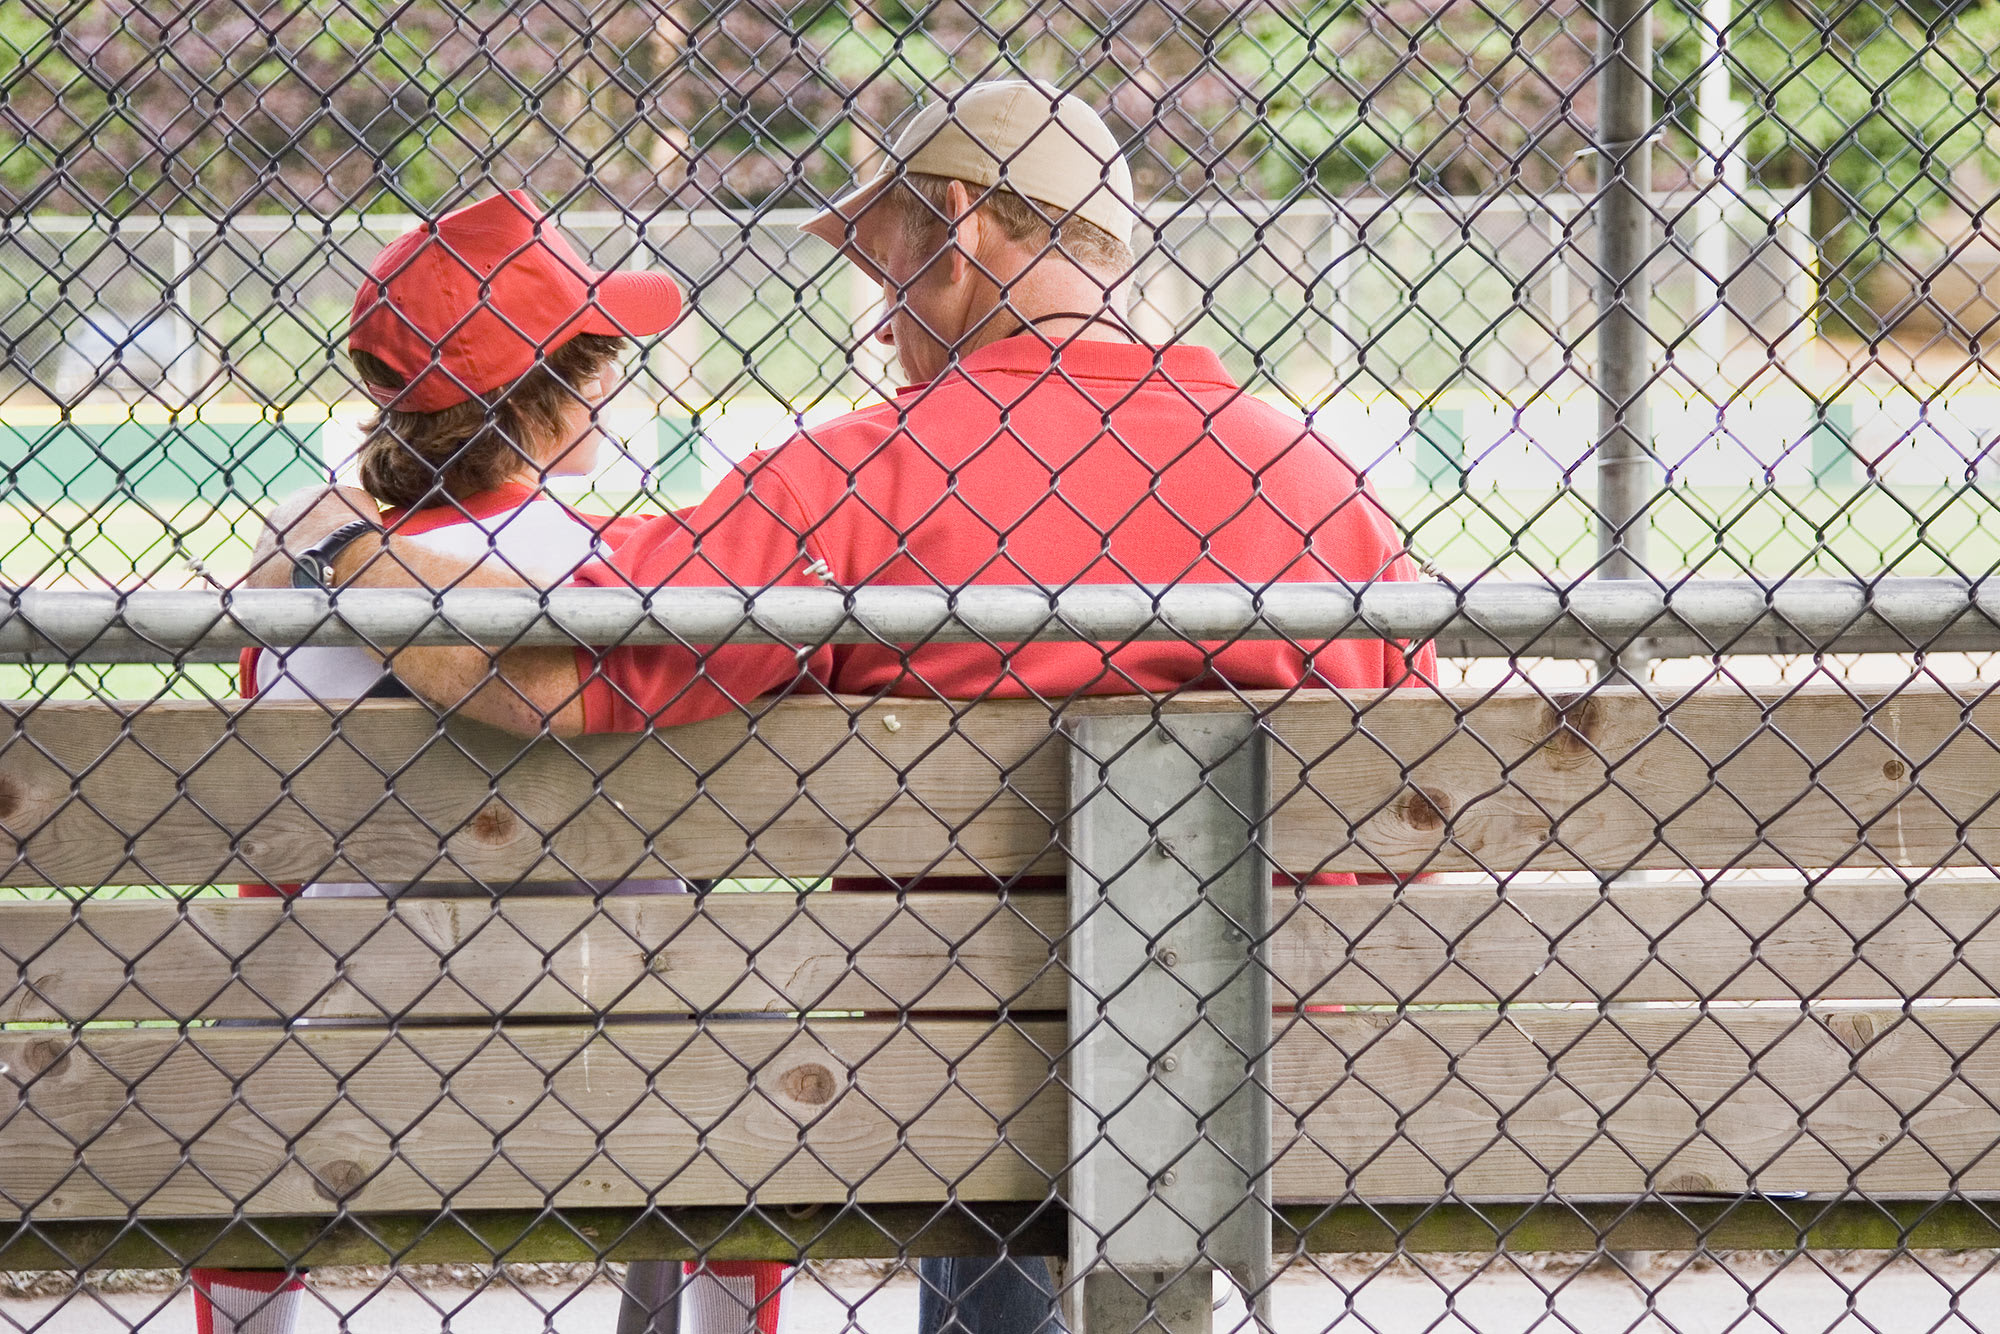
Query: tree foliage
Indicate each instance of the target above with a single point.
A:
(326, 106)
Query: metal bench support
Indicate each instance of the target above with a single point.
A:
(1170, 1018)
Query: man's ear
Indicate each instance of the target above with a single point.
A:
(967, 223)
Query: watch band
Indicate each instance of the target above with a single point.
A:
(313, 568)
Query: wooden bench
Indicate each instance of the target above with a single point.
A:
(1540, 1046)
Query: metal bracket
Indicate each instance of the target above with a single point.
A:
(1170, 1017)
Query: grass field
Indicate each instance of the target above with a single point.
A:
(1716, 532)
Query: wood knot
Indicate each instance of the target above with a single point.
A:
(46, 1058)
(11, 799)
(811, 1083)
(335, 1181)
(1855, 1030)
(1572, 727)
(495, 823)
(1688, 1183)
(1894, 771)
(1422, 809)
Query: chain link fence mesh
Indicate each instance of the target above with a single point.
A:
(1614, 983)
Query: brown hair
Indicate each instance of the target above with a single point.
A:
(413, 458)
(926, 206)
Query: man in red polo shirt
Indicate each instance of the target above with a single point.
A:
(1038, 442)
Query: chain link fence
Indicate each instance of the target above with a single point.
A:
(1471, 810)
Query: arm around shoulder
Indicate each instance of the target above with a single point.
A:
(526, 691)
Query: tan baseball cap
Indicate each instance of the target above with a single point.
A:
(1030, 137)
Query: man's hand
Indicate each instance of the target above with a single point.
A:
(303, 518)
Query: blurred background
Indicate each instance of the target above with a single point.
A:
(1384, 215)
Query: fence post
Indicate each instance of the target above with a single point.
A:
(184, 373)
(1624, 244)
(1170, 1018)
(1720, 120)
(1344, 338)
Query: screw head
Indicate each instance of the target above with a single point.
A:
(1170, 1063)
(1167, 1178)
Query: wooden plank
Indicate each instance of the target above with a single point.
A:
(196, 793)
(1719, 777)
(156, 1123)
(1573, 1103)
(419, 958)
(890, 1231)
(1451, 1104)
(1459, 943)
(1752, 1224)
(486, 1236)
(190, 793)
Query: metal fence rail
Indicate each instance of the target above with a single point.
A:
(1701, 618)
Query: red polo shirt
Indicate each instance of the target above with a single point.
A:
(1098, 463)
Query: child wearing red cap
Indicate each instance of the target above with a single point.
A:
(489, 346)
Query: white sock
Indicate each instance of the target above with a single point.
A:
(251, 1310)
(728, 1303)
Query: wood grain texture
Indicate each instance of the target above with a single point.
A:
(425, 1118)
(426, 958)
(1613, 781)
(179, 793)
(581, 1236)
(1462, 943)
(1481, 1106)
(193, 793)
(422, 958)
(1452, 1103)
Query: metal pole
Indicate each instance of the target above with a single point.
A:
(1624, 346)
(1719, 119)
(651, 1300)
(184, 375)
(1487, 620)
(1344, 340)
(1169, 1018)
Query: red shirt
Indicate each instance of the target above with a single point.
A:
(1100, 463)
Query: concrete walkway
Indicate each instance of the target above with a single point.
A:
(1857, 1297)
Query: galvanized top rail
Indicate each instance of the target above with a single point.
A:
(1488, 619)
(1561, 203)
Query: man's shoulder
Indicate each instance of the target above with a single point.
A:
(842, 441)
(1259, 411)
(872, 419)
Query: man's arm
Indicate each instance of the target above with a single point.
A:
(526, 691)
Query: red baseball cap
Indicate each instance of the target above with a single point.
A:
(464, 305)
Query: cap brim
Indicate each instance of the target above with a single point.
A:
(835, 225)
(631, 303)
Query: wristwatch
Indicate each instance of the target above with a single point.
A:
(313, 568)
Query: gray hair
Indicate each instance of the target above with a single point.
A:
(925, 202)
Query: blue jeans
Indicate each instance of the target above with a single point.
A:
(986, 1294)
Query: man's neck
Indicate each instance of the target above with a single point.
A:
(1095, 322)
(1057, 301)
